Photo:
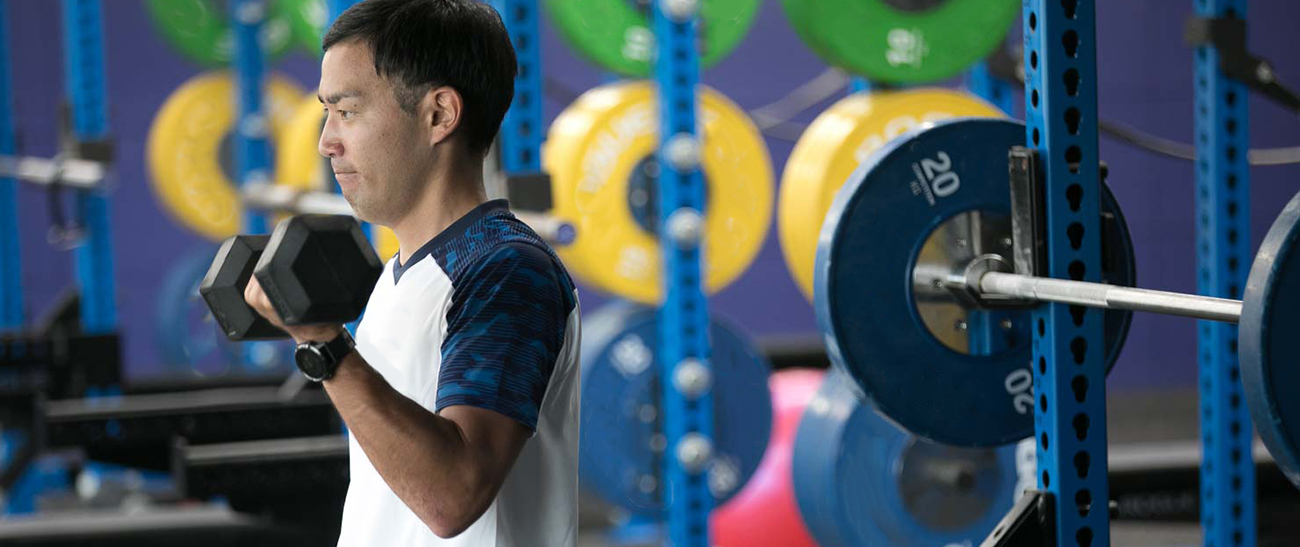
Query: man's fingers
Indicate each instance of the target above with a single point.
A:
(257, 299)
(251, 291)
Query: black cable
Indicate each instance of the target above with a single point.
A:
(1184, 151)
(63, 232)
(54, 195)
(1009, 68)
(772, 119)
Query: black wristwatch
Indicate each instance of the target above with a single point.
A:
(319, 360)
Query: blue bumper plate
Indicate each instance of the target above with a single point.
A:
(860, 480)
(1270, 356)
(902, 206)
(621, 449)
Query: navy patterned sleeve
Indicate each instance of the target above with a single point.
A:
(505, 330)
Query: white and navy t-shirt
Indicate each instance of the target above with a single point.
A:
(483, 315)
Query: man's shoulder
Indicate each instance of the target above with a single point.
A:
(501, 241)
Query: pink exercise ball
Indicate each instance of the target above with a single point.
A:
(764, 512)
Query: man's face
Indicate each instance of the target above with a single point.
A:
(380, 154)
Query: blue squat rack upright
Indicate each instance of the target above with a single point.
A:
(684, 350)
(1070, 420)
(252, 129)
(11, 276)
(1223, 256)
(1068, 348)
(252, 126)
(684, 317)
(84, 137)
(522, 129)
(83, 50)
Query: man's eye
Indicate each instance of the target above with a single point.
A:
(345, 114)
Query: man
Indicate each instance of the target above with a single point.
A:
(461, 395)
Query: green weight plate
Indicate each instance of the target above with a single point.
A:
(200, 29)
(616, 34)
(902, 41)
(306, 23)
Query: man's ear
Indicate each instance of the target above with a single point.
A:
(442, 108)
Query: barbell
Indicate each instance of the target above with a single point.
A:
(951, 177)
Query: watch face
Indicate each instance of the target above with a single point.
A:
(310, 361)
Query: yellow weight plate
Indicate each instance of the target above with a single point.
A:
(184, 148)
(592, 150)
(833, 146)
(297, 162)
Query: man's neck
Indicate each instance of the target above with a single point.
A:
(449, 195)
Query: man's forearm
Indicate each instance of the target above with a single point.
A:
(422, 456)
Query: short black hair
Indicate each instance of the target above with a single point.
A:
(422, 44)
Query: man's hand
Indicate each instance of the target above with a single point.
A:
(261, 303)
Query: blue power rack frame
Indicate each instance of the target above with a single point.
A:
(11, 276)
(520, 142)
(83, 53)
(683, 320)
(684, 317)
(1068, 348)
(252, 129)
(84, 76)
(334, 8)
(981, 81)
(252, 158)
(1222, 252)
(1070, 426)
(11, 283)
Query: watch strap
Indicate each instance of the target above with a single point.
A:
(339, 348)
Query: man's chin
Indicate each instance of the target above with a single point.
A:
(359, 212)
(364, 214)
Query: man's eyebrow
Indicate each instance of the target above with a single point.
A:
(336, 97)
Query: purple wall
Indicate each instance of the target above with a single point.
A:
(1145, 81)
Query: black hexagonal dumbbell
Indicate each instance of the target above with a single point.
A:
(318, 269)
(314, 268)
(223, 289)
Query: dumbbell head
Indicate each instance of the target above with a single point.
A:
(223, 289)
(318, 269)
